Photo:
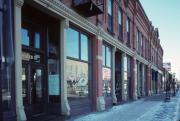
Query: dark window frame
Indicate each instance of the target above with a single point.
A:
(89, 61)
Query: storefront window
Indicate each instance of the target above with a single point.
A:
(53, 65)
(77, 66)
(106, 70)
(77, 79)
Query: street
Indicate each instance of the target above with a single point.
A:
(152, 108)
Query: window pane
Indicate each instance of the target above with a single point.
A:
(106, 73)
(37, 40)
(108, 57)
(119, 17)
(25, 37)
(77, 79)
(110, 7)
(72, 43)
(103, 55)
(127, 25)
(84, 47)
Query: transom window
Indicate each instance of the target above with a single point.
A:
(31, 38)
(77, 45)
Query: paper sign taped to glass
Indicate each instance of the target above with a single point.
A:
(53, 84)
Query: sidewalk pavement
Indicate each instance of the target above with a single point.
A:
(152, 108)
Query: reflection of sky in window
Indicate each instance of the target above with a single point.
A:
(125, 64)
(108, 57)
(25, 37)
(119, 16)
(109, 7)
(103, 54)
(84, 47)
(72, 43)
(37, 40)
(127, 25)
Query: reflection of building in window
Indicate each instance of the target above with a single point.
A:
(77, 78)
(106, 72)
(77, 64)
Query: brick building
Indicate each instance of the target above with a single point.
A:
(78, 56)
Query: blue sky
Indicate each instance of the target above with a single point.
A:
(165, 14)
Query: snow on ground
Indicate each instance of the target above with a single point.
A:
(141, 110)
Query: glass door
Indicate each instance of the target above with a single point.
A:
(33, 89)
(36, 90)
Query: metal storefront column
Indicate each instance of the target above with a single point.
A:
(65, 108)
(113, 75)
(148, 83)
(124, 95)
(18, 60)
(134, 78)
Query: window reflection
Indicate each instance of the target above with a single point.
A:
(72, 43)
(77, 79)
(77, 71)
(37, 92)
(108, 57)
(84, 47)
(103, 55)
(106, 71)
(37, 40)
(25, 37)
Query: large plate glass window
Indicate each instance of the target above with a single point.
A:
(106, 70)
(77, 64)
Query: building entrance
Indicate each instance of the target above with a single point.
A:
(33, 69)
(118, 76)
(40, 63)
(33, 88)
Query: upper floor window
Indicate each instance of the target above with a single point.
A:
(128, 31)
(120, 22)
(110, 7)
(137, 41)
(110, 18)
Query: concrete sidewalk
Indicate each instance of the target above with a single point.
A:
(152, 108)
